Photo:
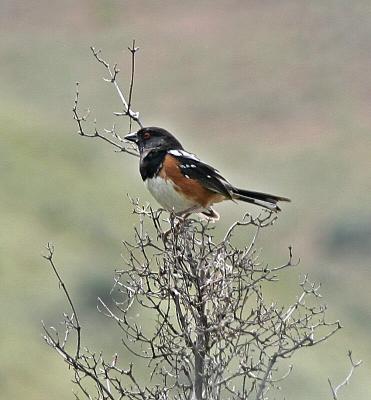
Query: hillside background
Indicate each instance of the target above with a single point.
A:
(277, 94)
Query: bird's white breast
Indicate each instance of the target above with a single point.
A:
(164, 192)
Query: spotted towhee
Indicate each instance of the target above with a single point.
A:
(182, 183)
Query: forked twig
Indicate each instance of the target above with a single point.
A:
(49, 256)
(113, 79)
(354, 365)
(118, 142)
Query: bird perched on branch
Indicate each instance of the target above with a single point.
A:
(181, 182)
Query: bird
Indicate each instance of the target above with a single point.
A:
(182, 183)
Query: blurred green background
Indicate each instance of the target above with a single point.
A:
(277, 94)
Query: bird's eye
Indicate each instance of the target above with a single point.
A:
(146, 135)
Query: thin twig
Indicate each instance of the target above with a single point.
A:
(113, 79)
(96, 134)
(49, 257)
(354, 365)
(132, 50)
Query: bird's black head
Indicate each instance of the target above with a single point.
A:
(152, 138)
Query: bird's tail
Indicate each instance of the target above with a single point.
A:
(265, 200)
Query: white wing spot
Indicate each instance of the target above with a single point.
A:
(208, 176)
(187, 176)
(183, 153)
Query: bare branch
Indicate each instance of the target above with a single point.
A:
(74, 318)
(117, 141)
(132, 50)
(81, 119)
(214, 335)
(354, 365)
(113, 79)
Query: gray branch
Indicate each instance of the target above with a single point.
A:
(335, 389)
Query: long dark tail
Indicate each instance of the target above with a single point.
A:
(265, 200)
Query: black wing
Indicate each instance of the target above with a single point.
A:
(191, 167)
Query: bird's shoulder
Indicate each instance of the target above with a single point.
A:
(178, 163)
(154, 161)
(192, 167)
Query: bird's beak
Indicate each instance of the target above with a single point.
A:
(132, 137)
